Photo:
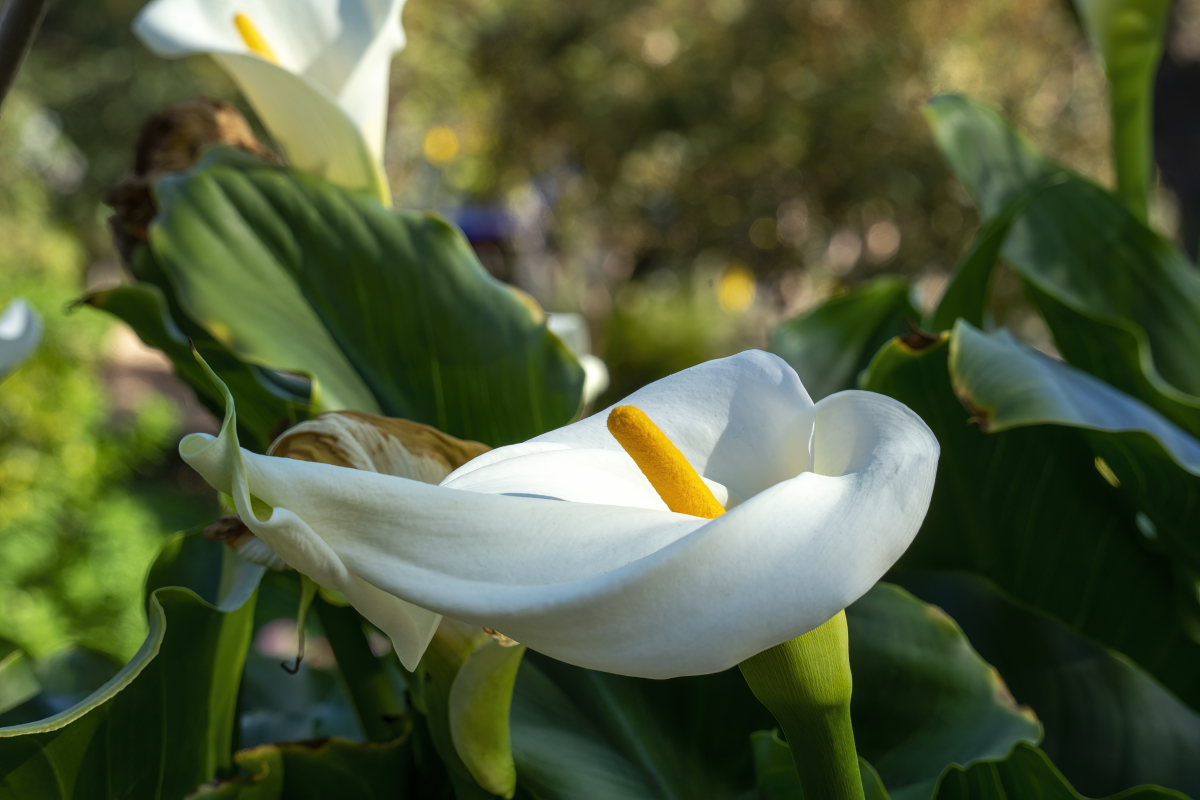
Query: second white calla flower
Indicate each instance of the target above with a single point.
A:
(562, 544)
(315, 71)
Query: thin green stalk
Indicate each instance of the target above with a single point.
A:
(1128, 37)
(1131, 101)
(806, 684)
(379, 710)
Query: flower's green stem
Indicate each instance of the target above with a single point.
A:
(806, 684)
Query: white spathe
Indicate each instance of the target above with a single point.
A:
(562, 544)
(325, 102)
(20, 332)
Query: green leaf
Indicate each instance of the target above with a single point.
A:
(389, 310)
(922, 698)
(1025, 773)
(1028, 509)
(1156, 464)
(367, 679)
(276, 706)
(833, 343)
(1108, 724)
(1122, 302)
(774, 771)
(18, 682)
(588, 735)
(319, 770)
(479, 705)
(266, 404)
(966, 293)
(58, 681)
(451, 648)
(165, 722)
(1128, 36)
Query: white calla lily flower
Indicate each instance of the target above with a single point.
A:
(562, 544)
(20, 332)
(315, 71)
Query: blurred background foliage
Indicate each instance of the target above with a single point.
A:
(84, 447)
(686, 173)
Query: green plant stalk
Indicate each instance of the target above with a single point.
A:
(1128, 37)
(806, 684)
(379, 710)
(1131, 105)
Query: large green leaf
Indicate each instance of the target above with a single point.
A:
(18, 682)
(1156, 464)
(320, 770)
(165, 723)
(1122, 302)
(1028, 508)
(1025, 773)
(266, 404)
(829, 346)
(588, 735)
(310, 702)
(966, 292)
(389, 310)
(1109, 725)
(52, 684)
(922, 699)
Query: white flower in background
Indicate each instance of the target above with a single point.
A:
(573, 330)
(315, 71)
(562, 543)
(20, 332)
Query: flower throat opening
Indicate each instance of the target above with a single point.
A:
(663, 465)
(253, 39)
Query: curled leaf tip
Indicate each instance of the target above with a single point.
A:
(979, 416)
(917, 340)
(500, 638)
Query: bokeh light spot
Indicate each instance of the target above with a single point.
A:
(440, 145)
(736, 289)
(883, 240)
(762, 233)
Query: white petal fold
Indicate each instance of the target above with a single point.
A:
(561, 544)
(325, 102)
(20, 332)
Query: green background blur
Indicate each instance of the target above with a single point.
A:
(686, 173)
